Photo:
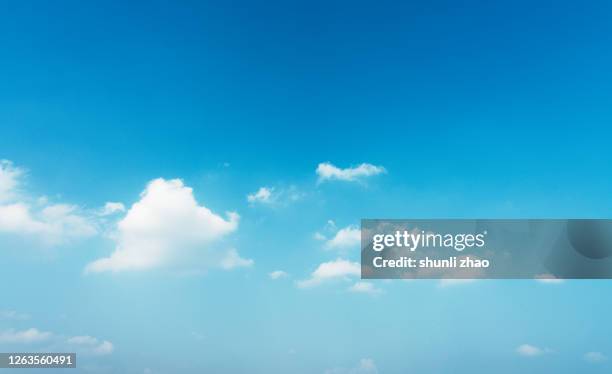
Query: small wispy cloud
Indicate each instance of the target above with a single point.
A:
(31, 335)
(90, 345)
(366, 288)
(329, 230)
(528, 350)
(84, 344)
(111, 208)
(263, 196)
(326, 171)
(275, 196)
(332, 270)
(278, 274)
(345, 238)
(233, 260)
(595, 357)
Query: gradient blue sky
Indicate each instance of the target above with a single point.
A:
(474, 109)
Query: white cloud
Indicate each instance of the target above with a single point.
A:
(548, 279)
(54, 224)
(338, 269)
(348, 237)
(56, 342)
(104, 348)
(112, 208)
(21, 214)
(528, 350)
(327, 172)
(275, 196)
(365, 366)
(232, 260)
(31, 335)
(278, 274)
(595, 357)
(167, 228)
(90, 345)
(263, 196)
(365, 287)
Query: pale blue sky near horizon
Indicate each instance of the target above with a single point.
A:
(473, 110)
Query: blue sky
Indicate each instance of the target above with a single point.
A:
(180, 111)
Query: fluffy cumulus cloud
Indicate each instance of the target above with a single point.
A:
(333, 270)
(167, 227)
(25, 215)
(30, 335)
(528, 350)
(328, 172)
(89, 345)
(595, 357)
(365, 287)
(365, 366)
(348, 237)
(278, 274)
